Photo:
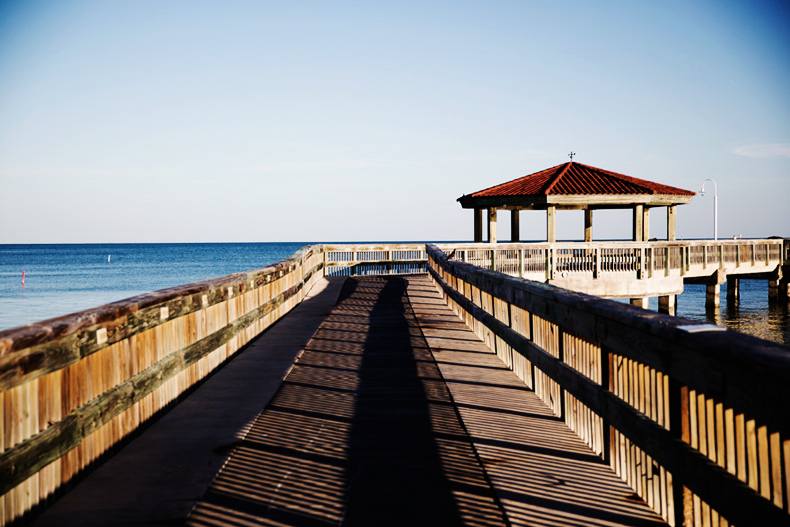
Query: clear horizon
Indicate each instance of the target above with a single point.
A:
(184, 122)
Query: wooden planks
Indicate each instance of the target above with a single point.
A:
(362, 432)
(543, 473)
(725, 376)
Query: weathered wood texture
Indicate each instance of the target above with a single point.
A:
(362, 432)
(694, 420)
(543, 473)
(73, 387)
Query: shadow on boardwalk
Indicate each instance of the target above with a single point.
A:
(362, 432)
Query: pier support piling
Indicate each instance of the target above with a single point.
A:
(640, 302)
(713, 295)
(733, 288)
(666, 304)
(783, 289)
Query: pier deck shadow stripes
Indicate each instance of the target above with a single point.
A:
(362, 432)
(394, 414)
(366, 431)
(542, 472)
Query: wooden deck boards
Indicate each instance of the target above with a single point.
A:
(362, 432)
(395, 414)
(542, 472)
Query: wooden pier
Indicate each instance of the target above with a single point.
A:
(454, 396)
(615, 269)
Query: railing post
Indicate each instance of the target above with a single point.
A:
(640, 274)
(666, 261)
(721, 256)
(521, 263)
(597, 263)
(683, 507)
(561, 357)
(606, 384)
(684, 258)
(704, 256)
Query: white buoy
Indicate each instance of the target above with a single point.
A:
(108, 258)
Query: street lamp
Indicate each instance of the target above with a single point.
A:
(715, 206)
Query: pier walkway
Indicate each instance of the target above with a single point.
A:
(391, 412)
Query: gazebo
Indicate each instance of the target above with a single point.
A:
(574, 186)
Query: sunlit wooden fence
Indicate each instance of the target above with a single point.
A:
(691, 416)
(73, 387)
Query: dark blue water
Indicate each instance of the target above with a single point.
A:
(753, 313)
(62, 279)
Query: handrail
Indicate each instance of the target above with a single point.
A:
(543, 260)
(73, 387)
(379, 259)
(692, 416)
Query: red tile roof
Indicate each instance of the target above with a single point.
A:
(577, 179)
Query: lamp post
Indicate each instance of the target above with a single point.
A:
(715, 206)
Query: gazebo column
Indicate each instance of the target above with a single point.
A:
(646, 224)
(551, 224)
(478, 225)
(638, 217)
(671, 222)
(492, 225)
(514, 226)
(588, 225)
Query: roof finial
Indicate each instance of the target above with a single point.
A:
(571, 155)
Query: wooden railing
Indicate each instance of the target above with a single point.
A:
(73, 387)
(375, 259)
(693, 417)
(580, 260)
(547, 261)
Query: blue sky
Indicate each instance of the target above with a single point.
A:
(353, 121)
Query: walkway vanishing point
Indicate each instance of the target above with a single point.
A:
(457, 396)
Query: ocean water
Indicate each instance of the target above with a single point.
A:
(62, 279)
(753, 313)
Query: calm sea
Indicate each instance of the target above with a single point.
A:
(61, 279)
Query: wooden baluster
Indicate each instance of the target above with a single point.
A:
(679, 425)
